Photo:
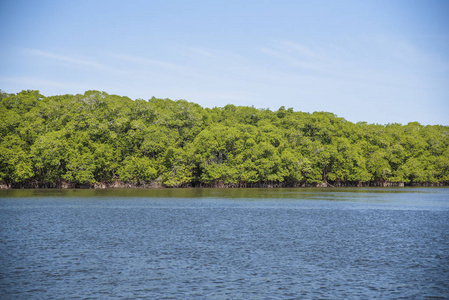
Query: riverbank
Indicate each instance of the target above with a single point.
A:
(157, 185)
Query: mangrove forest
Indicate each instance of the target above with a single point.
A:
(100, 140)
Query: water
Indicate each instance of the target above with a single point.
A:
(224, 244)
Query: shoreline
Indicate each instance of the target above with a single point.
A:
(220, 185)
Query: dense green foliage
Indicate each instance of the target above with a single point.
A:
(96, 137)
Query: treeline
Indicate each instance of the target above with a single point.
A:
(99, 139)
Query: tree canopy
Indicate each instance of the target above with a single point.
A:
(100, 138)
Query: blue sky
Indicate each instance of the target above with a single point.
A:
(374, 61)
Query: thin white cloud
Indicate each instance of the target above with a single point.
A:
(303, 51)
(217, 55)
(201, 51)
(355, 62)
(76, 61)
(294, 61)
(146, 61)
(33, 82)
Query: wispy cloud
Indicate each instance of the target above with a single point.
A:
(294, 61)
(303, 51)
(75, 61)
(201, 51)
(33, 82)
(217, 55)
(355, 62)
(146, 61)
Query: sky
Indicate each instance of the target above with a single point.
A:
(374, 61)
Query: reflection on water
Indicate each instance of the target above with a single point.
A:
(258, 193)
(224, 244)
(398, 198)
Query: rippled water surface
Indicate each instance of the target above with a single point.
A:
(224, 244)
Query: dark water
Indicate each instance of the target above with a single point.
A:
(224, 244)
